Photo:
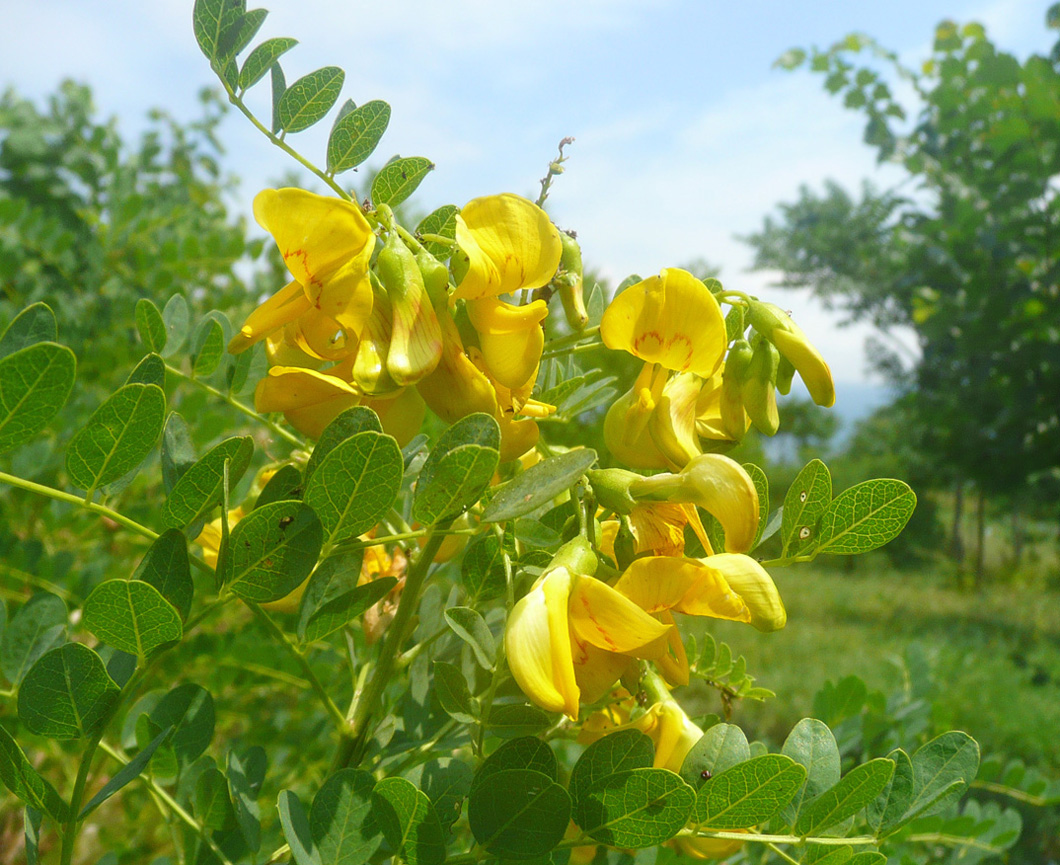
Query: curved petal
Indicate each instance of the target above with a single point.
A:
(756, 588)
(811, 367)
(510, 244)
(401, 415)
(673, 422)
(537, 645)
(657, 583)
(511, 338)
(283, 307)
(325, 242)
(626, 423)
(596, 670)
(517, 437)
(671, 319)
(310, 400)
(457, 387)
(673, 661)
(608, 619)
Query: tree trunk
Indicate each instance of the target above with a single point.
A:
(980, 539)
(956, 541)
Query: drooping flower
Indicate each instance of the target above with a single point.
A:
(511, 338)
(777, 326)
(326, 243)
(510, 244)
(309, 399)
(671, 731)
(569, 633)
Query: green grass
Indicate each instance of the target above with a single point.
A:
(996, 653)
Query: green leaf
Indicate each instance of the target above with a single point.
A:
(167, 567)
(721, 747)
(336, 612)
(855, 790)
(538, 485)
(525, 753)
(129, 772)
(295, 823)
(177, 318)
(33, 630)
(285, 485)
(36, 323)
(355, 484)
(34, 384)
(823, 854)
(867, 857)
(131, 616)
(212, 20)
(201, 487)
(446, 781)
(409, 823)
(611, 755)
(337, 575)
(866, 516)
(942, 771)
(399, 179)
(189, 710)
(451, 688)
(482, 568)
(761, 482)
(441, 222)
(458, 470)
(470, 627)
(518, 813)
(261, 58)
(273, 550)
(32, 820)
(207, 348)
(250, 365)
(67, 694)
(309, 98)
(345, 426)
(885, 812)
(244, 801)
(150, 370)
(279, 85)
(807, 499)
(749, 793)
(813, 746)
(239, 37)
(341, 820)
(118, 436)
(19, 776)
(356, 135)
(509, 722)
(212, 805)
(637, 808)
(150, 324)
(178, 453)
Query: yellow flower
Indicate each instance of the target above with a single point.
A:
(510, 244)
(671, 731)
(326, 243)
(715, 483)
(626, 431)
(777, 326)
(671, 319)
(309, 400)
(566, 612)
(723, 586)
(511, 338)
(659, 529)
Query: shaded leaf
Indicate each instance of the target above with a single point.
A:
(398, 179)
(518, 813)
(525, 753)
(854, 791)
(341, 819)
(942, 771)
(354, 420)
(67, 694)
(213, 806)
(508, 722)
(132, 616)
(749, 793)
(36, 323)
(470, 627)
(813, 746)
(356, 135)
(637, 808)
(284, 485)
(409, 823)
(32, 631)
(336, 612)
(309, 98)
(244, 801)
(129, 772)
(807, 499)
(273, 549)
(167, 567)
(538, 485)
(189, 710)
(201, 486)
(618, 752)
(719, 748)
(296, 831)
(261, 58)
(458, 470)
(19, 776)
(178, 453)
(34, 384)
(151, 326)
(451, 688)
(447, 782)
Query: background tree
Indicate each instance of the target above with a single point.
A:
(966, 259)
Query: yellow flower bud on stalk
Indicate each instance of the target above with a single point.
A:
(776, 326)
(570, 283)
(731, 407)
(758, 390)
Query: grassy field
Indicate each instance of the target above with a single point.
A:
(996, 653)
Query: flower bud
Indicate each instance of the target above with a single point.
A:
(776, 326)
(570, 283)
(758, 391)
(733, 414)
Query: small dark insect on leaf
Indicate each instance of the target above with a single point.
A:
(706, 774)
(404, 176)
(642, 698)
(286, 521)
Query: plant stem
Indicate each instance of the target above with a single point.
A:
(553, 345)
(240, 407)
(352, 748)
(302, 662)
(172, 804)
(855, 840)
(59, 495)
(69, 829)
(782, 854)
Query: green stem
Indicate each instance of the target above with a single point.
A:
(572, 339)
(417, 754)
(855, 840)
(782, 854)
(350, 546)
(784, 561)
(172, 804)
(240, 407)
(69, 829)
(352, 748)
(59, 495)
(302, 662)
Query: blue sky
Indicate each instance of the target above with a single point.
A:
(686, 135)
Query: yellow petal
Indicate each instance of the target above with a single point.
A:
(283, 307)
(626, 423)
(457, 387)
(596, 670)
(281, 349)
(671, 319)
(401, 415)
(511, 338)
(537, 645)
(673, 421)
(517, 437)
(609, 620)
(753, 584)
(811, 367)
(673, 661)
(290, 602)
(310, 400)
(370, 365)
(321, 336)
(326, 243)
(658, 583)
(510, 243)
